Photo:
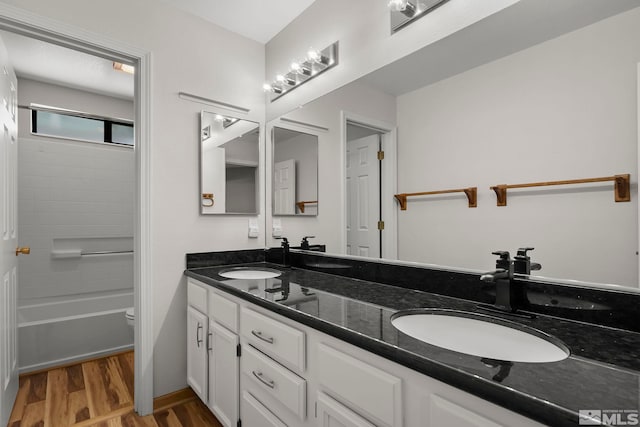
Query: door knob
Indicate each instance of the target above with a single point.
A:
(24, 251)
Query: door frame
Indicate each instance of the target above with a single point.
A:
(29, 24)
(388, 180)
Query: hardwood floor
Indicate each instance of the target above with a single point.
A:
(99, 393)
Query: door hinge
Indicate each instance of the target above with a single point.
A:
(380, 225)
(380, 155)
(238, 350)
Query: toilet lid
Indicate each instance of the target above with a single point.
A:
(130, 313)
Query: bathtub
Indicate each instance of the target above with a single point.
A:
(65, 331)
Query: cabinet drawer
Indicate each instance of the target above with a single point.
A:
(275, 380)
(197, 296)
(223, 311)
(364, 388)
(255, 414)
(282, 342)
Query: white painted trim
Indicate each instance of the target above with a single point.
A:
(32, 25)
(68, 360)
(638, 164)
(389, 180)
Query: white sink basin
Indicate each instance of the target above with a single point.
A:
(249, 273)
(478, 335)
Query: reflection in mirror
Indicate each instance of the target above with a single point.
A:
(295, 172)
(363, 185)
(229, 172)
(543, 103)
(404, 12)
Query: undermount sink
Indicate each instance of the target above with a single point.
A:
(249, 273)
(480, 335)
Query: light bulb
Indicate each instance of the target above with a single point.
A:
(219, 118)
(313, 55)
(280, 78)
(267, 87)
(398, 5)
(295, 66)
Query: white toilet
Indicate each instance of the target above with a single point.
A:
(131, 318)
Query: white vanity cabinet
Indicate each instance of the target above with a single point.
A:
(197, 358)
(223, 374)
(330, 413)
(197, 331)
(255, 414)
(213, 351)
(292, 375)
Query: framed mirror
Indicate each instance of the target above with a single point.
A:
(558, 104)
(295, 172)
(229, 165)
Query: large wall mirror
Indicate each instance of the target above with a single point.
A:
(493, 104)
(229, 165)
(295, 172)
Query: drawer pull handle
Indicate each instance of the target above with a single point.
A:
(198, 340)
(268, 383)
(258, 334)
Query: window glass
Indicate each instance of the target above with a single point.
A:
(122, 134)
(69, 126)
(78, 127)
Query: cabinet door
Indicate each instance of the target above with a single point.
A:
(446, 412)
(333, 414)
(255, 414)
(223, 374)
(197, 365)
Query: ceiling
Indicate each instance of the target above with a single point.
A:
(525, 24)
(42, 61)
(258, 20)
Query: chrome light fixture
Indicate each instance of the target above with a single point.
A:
(404, 12)
(301, 71)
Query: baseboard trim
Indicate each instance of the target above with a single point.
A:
(178, 397)
(70, 361)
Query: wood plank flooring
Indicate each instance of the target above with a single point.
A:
(99, 393)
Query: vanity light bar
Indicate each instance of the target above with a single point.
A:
(315, 63)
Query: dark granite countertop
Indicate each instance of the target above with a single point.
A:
(602, 372)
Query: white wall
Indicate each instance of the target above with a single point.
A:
(194, 56)
(366, 43)
(326, 112)
(73, 190)
(564, 109)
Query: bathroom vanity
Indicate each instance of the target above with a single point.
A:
(310, 348)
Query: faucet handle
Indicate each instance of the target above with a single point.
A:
(522, 252)
(502, 254)
(285, 241)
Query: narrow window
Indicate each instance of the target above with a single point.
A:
(80, 126)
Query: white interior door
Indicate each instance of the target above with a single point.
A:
(363, 197)
(214, 179)
(284, 187)
(9, 219)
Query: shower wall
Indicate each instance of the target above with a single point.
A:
(74, 197)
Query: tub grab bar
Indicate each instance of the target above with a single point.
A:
(77, 253)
